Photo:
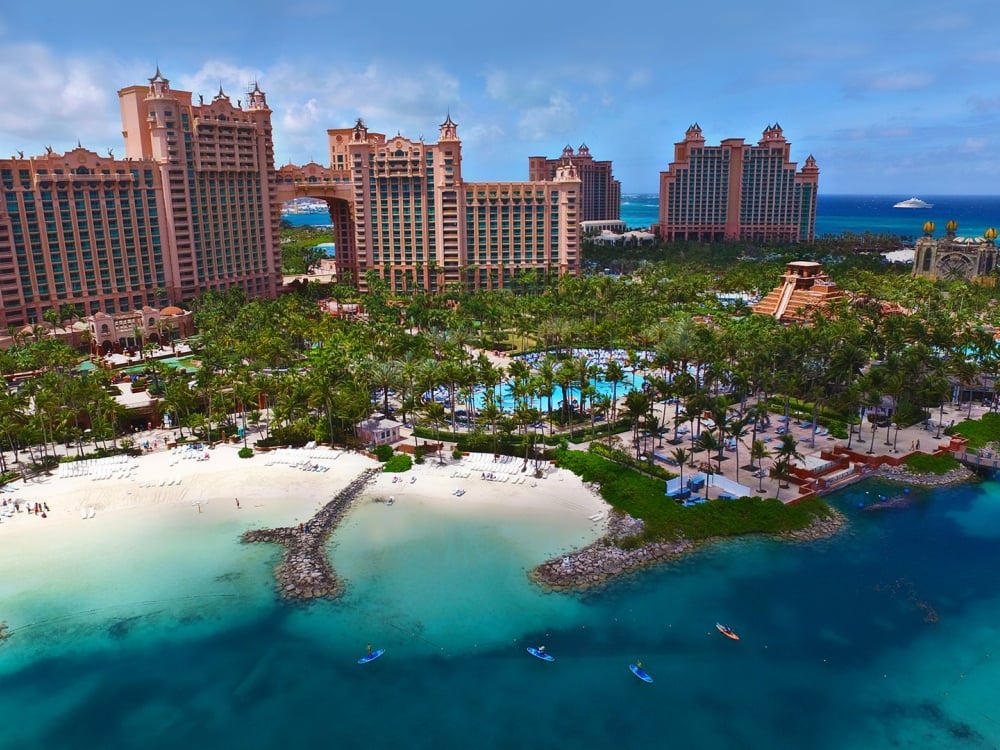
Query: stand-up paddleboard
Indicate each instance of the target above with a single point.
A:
(640, 673)
(537, 652)
(371, 657)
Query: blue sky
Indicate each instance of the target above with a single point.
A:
(898, 98)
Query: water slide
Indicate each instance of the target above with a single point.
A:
(786, 295)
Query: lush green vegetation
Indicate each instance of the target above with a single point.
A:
(399, 462)
(294, 374)
(298, 248)
(921, 463)
(980, 432)
(643, 497)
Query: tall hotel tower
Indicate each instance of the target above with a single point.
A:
(402, 211)
(600, 192)
(191, 207)
(736, 191)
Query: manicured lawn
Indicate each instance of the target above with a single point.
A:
(980, 432)
(923, 464)
(643, 497)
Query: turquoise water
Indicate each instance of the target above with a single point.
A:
(879, 638)
(837, 214)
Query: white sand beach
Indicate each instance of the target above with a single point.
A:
(169, 493)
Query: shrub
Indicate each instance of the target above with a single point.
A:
(643, 497)
(383, 452)
(921, 463)
(246, 453)
(398, 463)
(456, 453)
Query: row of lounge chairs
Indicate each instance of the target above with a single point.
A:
(98, 468)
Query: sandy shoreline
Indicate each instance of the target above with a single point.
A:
(165, 495)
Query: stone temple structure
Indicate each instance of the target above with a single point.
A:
(804, 288)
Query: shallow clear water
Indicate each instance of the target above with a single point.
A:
(879, 638)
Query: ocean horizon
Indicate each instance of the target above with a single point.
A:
(880, 637)
(835, 214)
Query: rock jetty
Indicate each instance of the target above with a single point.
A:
(606, 558)
(612, 554)
(304, 571)
(821, 527)
(905, 475)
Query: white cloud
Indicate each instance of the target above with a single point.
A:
(984, 104)
(213, 75)
(556, 118)
(484, 135)
(900, 82)
(974, 145)
(938, 23)
(57, 101)
(413, 101)
(639, 78)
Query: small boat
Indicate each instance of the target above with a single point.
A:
(371, 657)
(913, 203)
(91, 512)
(639, 672)
(83, 513)
(540, 653)
(726, 631)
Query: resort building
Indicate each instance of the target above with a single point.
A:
(600, 192)
(130, 330)
(737, 191)
(403, 213)
(804, 288)
(191, 207)
(952, 257)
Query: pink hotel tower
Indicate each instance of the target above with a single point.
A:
(191, 207)
(737, 191)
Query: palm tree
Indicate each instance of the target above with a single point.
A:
(784, 453)
(780, 470)
(434, 413)
(636, 406)
(614, 374)
(758, 452)
(680, 456)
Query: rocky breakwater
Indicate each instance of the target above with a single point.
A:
(906, 476)
(609, 556)
(821, 527)
(304, 571)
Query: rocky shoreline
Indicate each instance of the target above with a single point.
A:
(305, 571)
(599, 562)
(821, 528)
(905, 476)
(604, 559)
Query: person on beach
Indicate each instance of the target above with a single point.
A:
(237, 503)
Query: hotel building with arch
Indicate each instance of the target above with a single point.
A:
(403, 212)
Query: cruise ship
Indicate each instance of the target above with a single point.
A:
(913, 203)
